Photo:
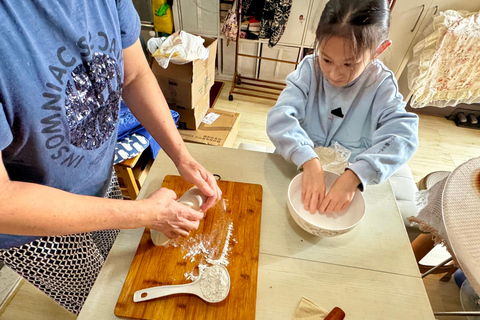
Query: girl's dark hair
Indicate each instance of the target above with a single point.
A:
(364, 22)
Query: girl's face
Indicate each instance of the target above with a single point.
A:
(338, 62)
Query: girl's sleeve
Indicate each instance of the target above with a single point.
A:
(394, 140)
(284, 119)
(129, 22)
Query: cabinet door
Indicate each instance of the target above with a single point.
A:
(199, 17)
(277, 71)
(247, 67)
(405, 21)
(314, 15)
(295, 28)
(443, 5)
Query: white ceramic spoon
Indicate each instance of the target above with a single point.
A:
(213, 285)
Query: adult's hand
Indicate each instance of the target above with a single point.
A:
(167, 215)
(313, 185)
(195, 173)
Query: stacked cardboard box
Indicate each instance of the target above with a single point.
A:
(221, 132)
(186, 87)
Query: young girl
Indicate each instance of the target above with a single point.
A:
(343, 94)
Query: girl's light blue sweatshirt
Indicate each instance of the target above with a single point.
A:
(367, 116)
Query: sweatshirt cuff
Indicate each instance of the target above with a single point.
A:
(302, 155)
(365, 172)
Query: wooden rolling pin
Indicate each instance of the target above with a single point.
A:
(335, 314)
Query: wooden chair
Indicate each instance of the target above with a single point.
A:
(132, 172)
(421, 246)
(424, 243)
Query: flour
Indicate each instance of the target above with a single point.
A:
(198, 247)
(215, 283)
(226, 248)
(205, 248)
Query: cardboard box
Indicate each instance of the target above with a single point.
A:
(222, 132)
(184, 85)
(191, 118)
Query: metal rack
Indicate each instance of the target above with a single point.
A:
(250, 86)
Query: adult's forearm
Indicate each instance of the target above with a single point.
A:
(32, 209)
(150, 108)
(144, 98)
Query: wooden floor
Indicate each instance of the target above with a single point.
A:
(443, 146)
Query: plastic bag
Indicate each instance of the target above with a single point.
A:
(180, 48)
(333, 158)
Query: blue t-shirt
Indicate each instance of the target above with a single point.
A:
(61, 78)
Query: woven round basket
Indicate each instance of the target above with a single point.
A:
(461, 215)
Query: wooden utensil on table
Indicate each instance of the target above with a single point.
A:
(335, 314)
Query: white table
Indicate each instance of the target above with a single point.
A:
(370, 272)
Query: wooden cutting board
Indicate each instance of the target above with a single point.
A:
(238, 211)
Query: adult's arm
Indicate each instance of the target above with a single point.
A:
(33, 209)
(147, 103)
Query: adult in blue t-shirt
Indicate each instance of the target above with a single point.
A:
(64, 66)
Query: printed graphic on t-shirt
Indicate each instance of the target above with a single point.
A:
(91, 118)
(92, 87)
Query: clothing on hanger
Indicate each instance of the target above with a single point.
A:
(273, 15)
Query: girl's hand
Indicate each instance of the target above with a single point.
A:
(165, 214)
(195, 173)
(313, 185)
(341, 194)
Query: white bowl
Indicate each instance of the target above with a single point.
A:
(326, 224)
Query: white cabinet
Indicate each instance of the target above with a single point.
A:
(296, 23)
(201, 17)
(409, 20)
(246, 66)
(314, 14)
(258, 68)
(301, 24)
(406, 19)
(272, 70)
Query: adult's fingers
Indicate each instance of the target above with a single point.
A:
(189, 214)
(171, 234)
(189, 225)
(182, 232)
(213, 192)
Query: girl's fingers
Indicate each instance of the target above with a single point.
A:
(338, 207)
(306, 201)
(313, 203)
(324, 205)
